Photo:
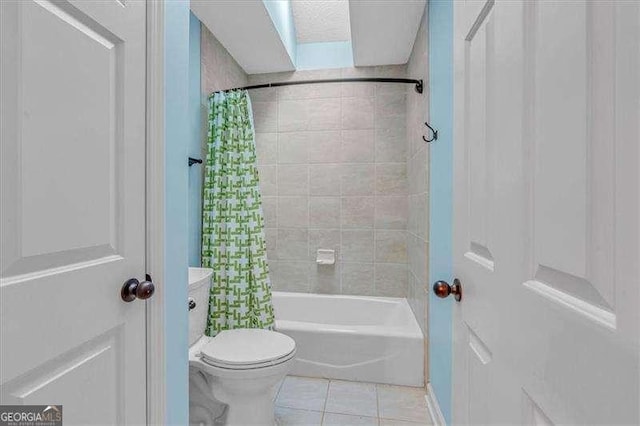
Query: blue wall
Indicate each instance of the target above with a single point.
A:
(195, 143)
(324, 55)
(441, 192)
(176, 62)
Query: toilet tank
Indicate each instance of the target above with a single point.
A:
(199, 285)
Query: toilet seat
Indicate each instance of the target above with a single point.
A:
(248, 349)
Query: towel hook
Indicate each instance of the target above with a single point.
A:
(193, 161)
(434, 131)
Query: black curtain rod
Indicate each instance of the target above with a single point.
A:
(418, 83)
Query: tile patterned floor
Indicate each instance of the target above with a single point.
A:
(303, 401)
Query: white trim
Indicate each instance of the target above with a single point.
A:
(156, 369)
(434, 407)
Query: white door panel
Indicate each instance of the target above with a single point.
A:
(73, 176)
(546, 223)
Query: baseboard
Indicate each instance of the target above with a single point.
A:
(434, 407)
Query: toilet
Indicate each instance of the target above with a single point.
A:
(242, 367)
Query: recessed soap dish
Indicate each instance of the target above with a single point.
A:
(326, 257)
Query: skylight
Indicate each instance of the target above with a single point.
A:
(319, 21)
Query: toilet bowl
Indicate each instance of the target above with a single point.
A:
(244, 365)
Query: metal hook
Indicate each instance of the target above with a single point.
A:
(434, 131)
(193, 161)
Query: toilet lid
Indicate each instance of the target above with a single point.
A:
(247, 347)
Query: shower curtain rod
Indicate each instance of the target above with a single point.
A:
(418, 83)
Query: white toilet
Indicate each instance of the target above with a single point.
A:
(244, 366)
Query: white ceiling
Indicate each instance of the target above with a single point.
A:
(246, 30)
(383, 31)
(321, 20)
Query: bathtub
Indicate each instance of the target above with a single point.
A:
(360, 338)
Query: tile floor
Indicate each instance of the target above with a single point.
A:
(303, 401)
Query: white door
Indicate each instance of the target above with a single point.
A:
(73, 207)
(546, 226)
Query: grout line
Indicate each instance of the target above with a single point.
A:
(326, 398)
(377, 403)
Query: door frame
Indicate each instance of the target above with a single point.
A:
(155, 215)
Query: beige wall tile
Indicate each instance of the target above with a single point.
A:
(357, 175)
(324, 212)
(391, 122)
(391, 104)
(324, 179)
(263, 95)
(265, 116)
(357, 212)
(293, 179)
(292, 147)
(358, 90)
(357, 279)
(357, 113)
(390, 145)
(391, 280)
(412, 216)
(391, 179)
(391, 246)
(311, 114)
(219, 71)
(324, 114)
(290, 276)
(417, 151)
(357, 179)
(293, 212)
(309, 91)
(358, 146)
(396, 71)
(293, 244)
(422, 216)
(271, 237)
(324, 146)
(358, 246)
(292, 116)
(324, 279)
(270, 211)
(268, 180)
(267, 148)
(391, 212)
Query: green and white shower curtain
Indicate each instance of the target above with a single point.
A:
(233, 241)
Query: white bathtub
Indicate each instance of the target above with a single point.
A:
(370, 339)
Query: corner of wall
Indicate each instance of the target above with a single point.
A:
(195, 142)
(176, 73)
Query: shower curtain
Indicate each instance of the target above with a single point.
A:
(233, 241)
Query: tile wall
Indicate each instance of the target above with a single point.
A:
(418, 185)
(219, 71)
(333, 170)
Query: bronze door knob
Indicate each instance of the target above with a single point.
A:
(443, 289)
(133, 289)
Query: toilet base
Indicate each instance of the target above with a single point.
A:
(249, 394)
(250, 403)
